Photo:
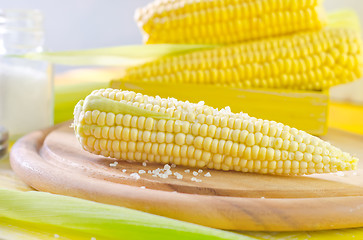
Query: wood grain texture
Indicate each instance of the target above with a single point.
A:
(53, 161)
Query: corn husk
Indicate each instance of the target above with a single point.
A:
(56, 214)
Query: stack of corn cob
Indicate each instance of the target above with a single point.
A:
(284, 46)
(296, 53)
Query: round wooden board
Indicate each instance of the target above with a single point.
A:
(53, 161)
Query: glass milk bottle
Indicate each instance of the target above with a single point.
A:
(26, 87)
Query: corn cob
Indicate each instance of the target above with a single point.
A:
(226, 21)
(131, 126)
(305, 61)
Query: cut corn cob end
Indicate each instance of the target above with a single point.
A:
(131, 126)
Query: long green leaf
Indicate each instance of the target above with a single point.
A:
(116, 56)
(99, 220)
(19, 230)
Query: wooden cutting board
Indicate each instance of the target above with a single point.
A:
(53, 161)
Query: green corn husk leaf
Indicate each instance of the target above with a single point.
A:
(39, 215)
(128, 55)
(68, 214)
(10, 230)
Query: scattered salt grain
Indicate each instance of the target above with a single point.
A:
(340, 174)
(186, 170)
(142, 171)
(144, 164)
(123, 170)
(262, 197)
(56, 235)
(200, 171)
(135, 176)
(195, 173)
(143, 187)
(178, 175)
(207, 174)
(149, 171)
(173, 165)
(114, 164)
(166, 167)
(193, 179)
(163, 175)
(93, 238)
